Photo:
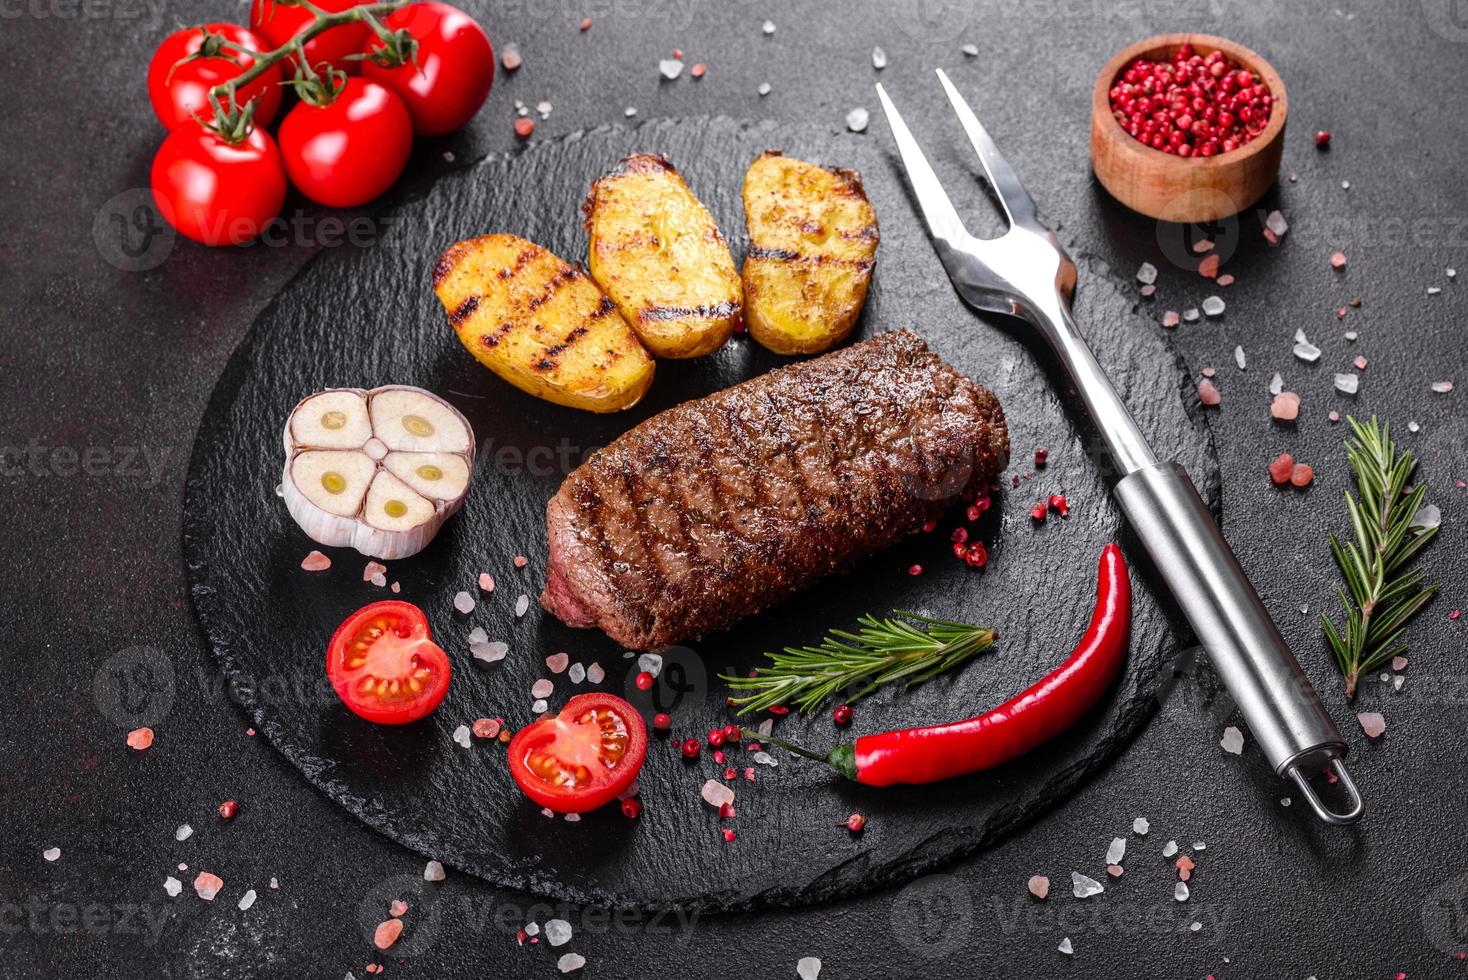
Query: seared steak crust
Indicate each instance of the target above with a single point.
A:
(718, 508)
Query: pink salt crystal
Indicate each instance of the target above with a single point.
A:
(486, 727)
(1372, 723)
(208, 885)
(1340, 314)
(1338, 260)
(1226, 280)
(387, 933)
(1148, 290)
(379, 580)
(315, 562)
(521, 561)
(1286, 406)
(1114, 870)
(1208, 372)
(1208, 268)
(1270, 236)
(1399, 662)
(1208, 393)
(557, 662)
(397, 587)
(511, 58)
(1201, 246)
(140, 738)
(486, 582)
(397, 908)
(1170, 318)
(1039, 886)
(1360, 363)
(1334, 416)
(373, 568)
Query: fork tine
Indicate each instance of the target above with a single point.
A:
(1012, 195)
(943, 221)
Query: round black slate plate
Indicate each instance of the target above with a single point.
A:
(368, 317)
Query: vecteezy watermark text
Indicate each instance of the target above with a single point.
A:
(37, 459)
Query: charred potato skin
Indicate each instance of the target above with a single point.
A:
(812, 247)
(541, 324)
(659, 254)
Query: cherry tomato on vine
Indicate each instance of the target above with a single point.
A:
(216, 192)
(454, 66)
(583, 757)
(351, 149)
(179, 89)
(280, 20)
(383, 665)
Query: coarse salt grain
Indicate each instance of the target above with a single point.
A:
(570, 962)
(1116, 850)
(490, 652)
(857, 119)
(670, 68)
(1141, 826)
(651, 663)
(1146, 273)
(542, 688)
(521, 605)
(464, 602)
(1083, 886)
(1066, 947)
(1208, 268)
(764, 89)
(1232, 741)
(1276, 223)
(1170, 318)
(461, 735)
(1373, 723)
(540, 707)
(1347, 384)
(557, 663)
(433, 871)
(51, 853)
(1169, 849)
(1039, 886)
(208, 885)
(486, 727)
(510, 57)
(247, 900)
(1240, 359)
(970, 50)
(808, 968)
(315, 562)
(184, 832)
(557, 932)
(172, 886)
(1208, 393)
(716, 794)
(577, 673)
(373, 568)
(1427, 516)
(486, 582)
(140, 738)
(879, 59)
(1180, 891)
(1286, 406)
(1442, 387)
(595, 674)
(768, 27)
(387, 933)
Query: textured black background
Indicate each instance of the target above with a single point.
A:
(95, 356)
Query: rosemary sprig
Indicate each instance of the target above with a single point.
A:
(1383, 592)
(912, 648)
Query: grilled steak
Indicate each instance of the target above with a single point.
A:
(718, 508)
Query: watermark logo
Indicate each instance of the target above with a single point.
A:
(1448, 19)
(933, 917)
(1179, 239)
(130, 234)
(134, 688)
(679, 677)
(141, 464)
(1445, 916)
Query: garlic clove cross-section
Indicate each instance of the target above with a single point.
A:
(378, 471)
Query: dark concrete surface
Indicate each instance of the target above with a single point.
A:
(105, 373)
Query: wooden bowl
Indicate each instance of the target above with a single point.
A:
(1185, 189)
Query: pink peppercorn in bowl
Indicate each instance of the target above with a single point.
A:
(1205, 172)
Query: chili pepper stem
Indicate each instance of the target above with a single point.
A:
(842, 758)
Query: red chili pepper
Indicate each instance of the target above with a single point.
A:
(1038, 714)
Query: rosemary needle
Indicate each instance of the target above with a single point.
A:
(902, 647)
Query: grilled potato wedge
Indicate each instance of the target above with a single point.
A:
(812, 246)
(659, 255)
(541, 324)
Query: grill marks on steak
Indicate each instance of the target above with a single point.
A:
(721, 507)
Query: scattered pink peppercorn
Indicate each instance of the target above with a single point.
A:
(524, 126)
(1038, 511)
(731, 773)
(728, 836)
(698, 70)
(779, 710)
(960, 549)
(959, 535)
(855, 823)
(732, 732)
(1322, 138)
(1059, 504)
(719, 756)
(228, 809)
(1191, 104)
(930, 525)
(631, 809)
(691, 748)
(662, 721)
(643, 681)
(1042, 456)
(977, 555)
(726, 811)
(716, 737)
(842, 714)
(914, 570)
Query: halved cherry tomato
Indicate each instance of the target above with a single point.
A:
(452, 70)
(179, 89)
(280, 20)
(583, 757)
(216, 192)
(350, 150)
(383, 665)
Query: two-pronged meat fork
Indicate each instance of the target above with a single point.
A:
(1025, 273)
